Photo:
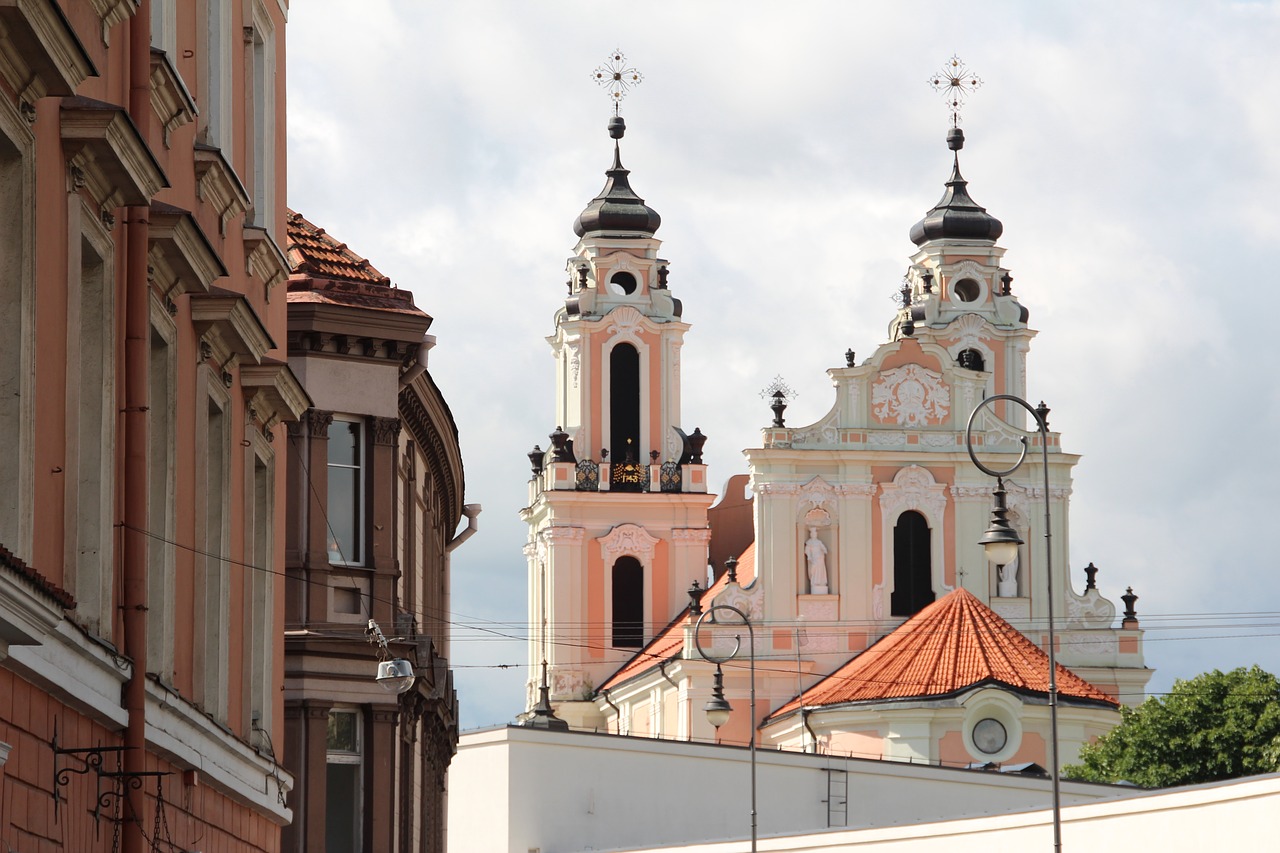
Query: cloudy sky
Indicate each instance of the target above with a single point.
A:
(1129, 148)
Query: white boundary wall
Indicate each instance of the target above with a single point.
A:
(520, 790)
(1242, 814)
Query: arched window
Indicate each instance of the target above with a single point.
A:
(628, 603)
(624, 403)
(912, 569)
(971, 359)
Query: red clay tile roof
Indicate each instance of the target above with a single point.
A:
(954, 643)
(669, 644)
(313, 252)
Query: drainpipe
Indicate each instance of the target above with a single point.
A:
(419, 362)
(604, 694)
(472, 512)
(804, 719)
(137, 331)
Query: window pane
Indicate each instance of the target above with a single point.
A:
(344, 518)
(344, 443)
(342, 799)
(342, 732)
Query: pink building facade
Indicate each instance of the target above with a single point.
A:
(145, 393)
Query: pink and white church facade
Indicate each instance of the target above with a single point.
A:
(880, 628)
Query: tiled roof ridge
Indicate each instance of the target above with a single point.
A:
(906, 662)
(312, 250)
(41, 583)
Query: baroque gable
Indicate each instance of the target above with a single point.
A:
(911, 396)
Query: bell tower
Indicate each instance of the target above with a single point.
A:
(618, 502)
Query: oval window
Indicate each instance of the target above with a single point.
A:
(990, 736)
(622, 283)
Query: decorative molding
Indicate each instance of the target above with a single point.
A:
(1090, 610)
(938, 439)
(877, 601)
(560, 533)
(861, 490)
(627, 539)
(914, 488)
(103, 142)
(969, 329)
(218, 185)
(181, 254)
(968, 269)
(39, 52)
(816, 492)
(969, 493)
(625, 324)
(691, 534)
(782, 489)
(170, 100)
(263, 258)
(823, 432)
(318, 423)
(886, 438)
(910, 396)
(1089, 643)
(385, 431)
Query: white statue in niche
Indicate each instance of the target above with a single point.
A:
(1007, 587)
(815, 554)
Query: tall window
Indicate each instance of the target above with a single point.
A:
(344, 794)
(90, 427)
(213, 587)
(216, 105)
(164, 27)
(160, 497)
(628, 603)
(912, 568)
(346, 492)
(16, 351)
(624, 404)
(258, 589)
(263, 127)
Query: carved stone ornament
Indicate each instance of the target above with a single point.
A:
(823, 432)
(562, 534)
(567, 683)
(817, 517)
(625, 323)
(857, 490)
(938, 439)
(385, 430)
(318, 423)
(1090, 610)
(913, 488)
(968, 269)
(886, 438)
(910, 396)
(691, 535)
(783, 489)
(627, 539)
(816, 492)
(1089, 643)
(750, 601)
(968, 330)
(877, 601)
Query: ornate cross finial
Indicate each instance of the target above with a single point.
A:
(955, 82)
(781, 394)
(616, 78)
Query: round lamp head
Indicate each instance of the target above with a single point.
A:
(396, 676)
(718, 709)
(1001, 553)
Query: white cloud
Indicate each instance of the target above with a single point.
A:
(1128, 148)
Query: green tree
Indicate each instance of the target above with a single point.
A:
(1215, 726)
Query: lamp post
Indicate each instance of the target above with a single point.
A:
(717, 707)
(1000, 541)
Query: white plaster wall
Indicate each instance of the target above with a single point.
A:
(354, 387)
(517, 790)
(1238, 815)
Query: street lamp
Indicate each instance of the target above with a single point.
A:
(1000, 542)
(718, 707)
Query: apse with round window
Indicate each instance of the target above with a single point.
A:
(989, 736)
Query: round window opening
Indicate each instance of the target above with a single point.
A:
(623, 283)
(966, 290)
(989, 736)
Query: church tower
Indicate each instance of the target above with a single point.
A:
(618, 502)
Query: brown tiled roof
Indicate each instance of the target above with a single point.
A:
(955, 643)
(37, 580)
(670, 643)
(314, 253)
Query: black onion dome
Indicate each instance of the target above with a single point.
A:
(956, 215)
(617, 208)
